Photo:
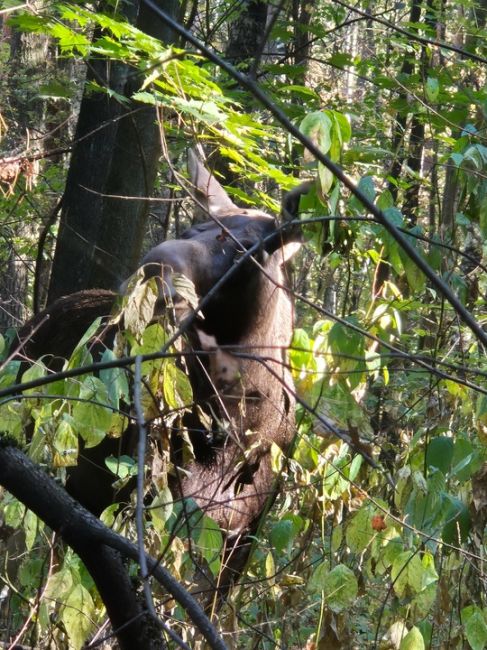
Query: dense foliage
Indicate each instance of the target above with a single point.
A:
(378, 536)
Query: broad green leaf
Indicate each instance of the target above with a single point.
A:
(301, 351)
(13, 513)
(359, 532)
(30, 529)
(108, 515)
(281, 535)
(407, 573)
(91, 418)
(80, 356)
(123, 466)
(457, 158)
(317, 580)
(59, 584)
(9, 373)
(424, 602)
(340, 587)
(432, 89)
(277, 458)
(346, 340)
(175, 385)
(210, 543)
(12, 420)
(413, 640)
(31, 572)
(78, 615)
(348, 349)
(439, 453)
(161, 509)
(70, 40)
(36, 371)
(65, 445)
(458, 525)
(317, 127)
(115, 379)
(326, 180)
(342, 125)
(367, 187)
(475, 626)
(466, 460)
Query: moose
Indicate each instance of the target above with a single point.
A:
(236, 258)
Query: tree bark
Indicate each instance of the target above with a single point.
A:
(101, 549)
(116, 155)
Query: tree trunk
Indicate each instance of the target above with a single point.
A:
(116, 155)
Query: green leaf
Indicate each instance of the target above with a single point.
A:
(326, 179)
(175, 385)
(59, 585)
(122, 466)
(108, 515)
(55, 90)
(432, 89)
(92, 418)
(115, 380)
(31, 572)
(80, 356)
(407, 573)
(346, 340)
(8, 374)
(69, 40)
(26, 22)
(12, 421)
(439, 453)
(210, 543)
(413, 640)
(301, 350)
(161, 509)
(315, 583)
(342, 126)
(367, 187)
(359, 531)
(458, 525)
(281, 535)
(475, 626)
(65, 445)
(13, 513)
(340, 587)
(348, 349)
(30, 529)
(36, 371)
(457, 158)
(77, 615)
(317, 127)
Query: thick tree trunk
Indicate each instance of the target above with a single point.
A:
(116, 154)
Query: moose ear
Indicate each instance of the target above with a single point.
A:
(207, 191)
(290, 201)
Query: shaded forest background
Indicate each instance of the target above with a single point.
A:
(378, 537)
